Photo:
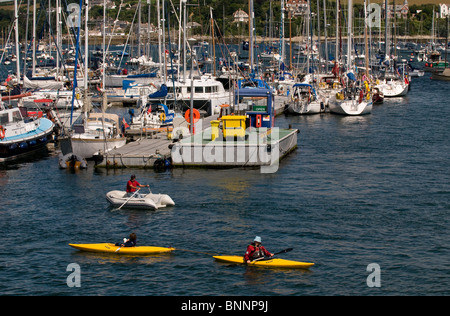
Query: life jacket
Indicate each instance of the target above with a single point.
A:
(256, 252)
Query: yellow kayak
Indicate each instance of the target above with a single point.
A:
(111, 248)
(275, 262)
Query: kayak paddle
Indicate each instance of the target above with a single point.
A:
(276, 253)
(127, 200)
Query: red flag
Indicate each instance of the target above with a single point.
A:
(125, 123)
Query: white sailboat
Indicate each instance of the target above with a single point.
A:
(393, 86)
(304, 100)
(351, 100)
(98, 132)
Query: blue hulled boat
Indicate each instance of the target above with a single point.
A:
(20, 136)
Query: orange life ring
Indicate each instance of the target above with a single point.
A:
(195, 113)
(2, 132)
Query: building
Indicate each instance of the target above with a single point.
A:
(297, 7)
(240, 16)
(444, 10)
(401, 10)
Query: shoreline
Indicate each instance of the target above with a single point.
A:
(121, 39)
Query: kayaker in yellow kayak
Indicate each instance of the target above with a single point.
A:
(130, 242)
(256, 250)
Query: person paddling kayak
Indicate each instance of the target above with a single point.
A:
(256, 250)
(133, 185)
(130, 242)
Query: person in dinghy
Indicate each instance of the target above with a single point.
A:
(256, 250)
(133, 185)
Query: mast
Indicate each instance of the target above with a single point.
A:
(104, 100)
(318, 34)
(184, 39)
(16, 24)
(308, 45)
(336, 53)
(213, 42)
(160, 61)
(75, 71)
(282, 31)
(139, 28)
(250, 32)
(58, 36)
(366, 48)
(34, 39)
(86, 54)
(325, 34)
(386, 20)
(349, 35)
(148, 28)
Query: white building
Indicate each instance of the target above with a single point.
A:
(444, 10)
(297, 7)
(240, 16)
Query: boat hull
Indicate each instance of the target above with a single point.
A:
(112, 248)
(297, 108)
(149, 201)
(350, 107)
(444, 75)
(22, 145)
(392, 90)
(272, 263)
(88, 147)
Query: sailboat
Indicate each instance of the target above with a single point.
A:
(352, 99)
(445, 74)
(152, 117)
(394, 84)
(304, 100)
(98, 132)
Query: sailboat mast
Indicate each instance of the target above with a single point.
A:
(16, 23)
(386, 20)
(34, 39)
(282, 31)
(366, 48)
(250, 32)
(349, 35)
(160, 61)
(86, 48)
(213, 42)
(325, 34)
(336, 53)
(184, 39)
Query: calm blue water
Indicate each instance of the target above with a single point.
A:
(358, 190)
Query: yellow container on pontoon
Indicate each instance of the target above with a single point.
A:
(233, 125)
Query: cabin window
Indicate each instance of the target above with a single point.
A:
(208, 89)
(16, 116)
(4, 119)
(198, 90)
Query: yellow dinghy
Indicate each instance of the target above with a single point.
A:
(112, 248)
(273, 262)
